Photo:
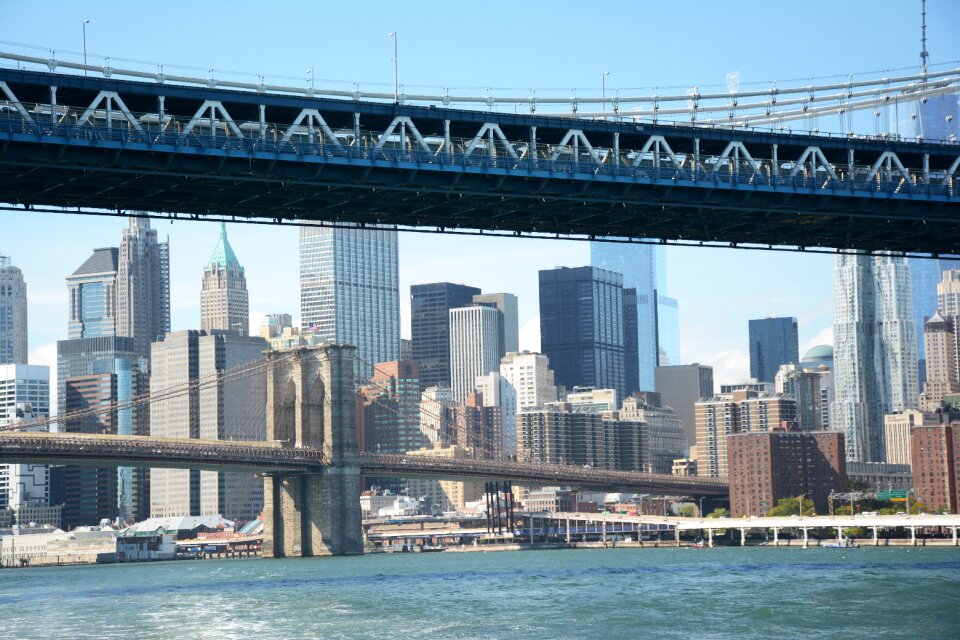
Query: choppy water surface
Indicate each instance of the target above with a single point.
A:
(613, 593)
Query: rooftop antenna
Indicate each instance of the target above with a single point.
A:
(923, 39)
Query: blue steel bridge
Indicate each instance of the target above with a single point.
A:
(128, 141)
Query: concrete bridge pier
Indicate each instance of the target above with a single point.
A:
(310, 403)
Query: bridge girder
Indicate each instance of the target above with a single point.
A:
(187, 150)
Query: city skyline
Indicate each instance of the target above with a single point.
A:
(700, 279)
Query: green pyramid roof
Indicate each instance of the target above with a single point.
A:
(223, 254)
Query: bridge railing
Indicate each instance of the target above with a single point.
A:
(226, 451)
(510, 156)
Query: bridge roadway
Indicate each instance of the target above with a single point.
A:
(271, 458)
(123, 146)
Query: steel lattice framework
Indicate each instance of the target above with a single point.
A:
(179, 148)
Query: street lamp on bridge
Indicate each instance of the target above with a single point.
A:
(396, 72)
(603, 93)
(85, 23)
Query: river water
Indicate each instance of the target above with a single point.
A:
(748, 592)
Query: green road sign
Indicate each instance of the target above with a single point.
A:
(892, 494)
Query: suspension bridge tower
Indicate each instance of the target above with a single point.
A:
(310, 403)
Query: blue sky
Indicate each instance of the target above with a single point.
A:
(471, 44)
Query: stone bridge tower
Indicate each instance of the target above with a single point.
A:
(310, 403)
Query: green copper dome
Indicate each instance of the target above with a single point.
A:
(820, 352)
(223, 255)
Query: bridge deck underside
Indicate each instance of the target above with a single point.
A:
(369, 191)
(357, 175)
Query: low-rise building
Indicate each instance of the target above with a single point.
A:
(142, 546)
(553, 499)
(880, 476)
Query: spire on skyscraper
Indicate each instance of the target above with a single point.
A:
(224, 302)
(223, 255)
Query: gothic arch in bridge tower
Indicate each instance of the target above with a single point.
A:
(314, 424)
(284, 416)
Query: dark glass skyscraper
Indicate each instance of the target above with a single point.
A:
(581, 326)
(430, 306)
(773, 342)
(631, 355)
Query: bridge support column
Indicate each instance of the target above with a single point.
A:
(913, 536)
(876, 538)
(310, 403)
(954, 536)
(743, 537)
(839, 534)
(603, 534)
(805, 538)
(568, 532)
(710, 538)
(676, 534)
(776, 536)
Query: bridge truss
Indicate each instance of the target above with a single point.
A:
(182, 148)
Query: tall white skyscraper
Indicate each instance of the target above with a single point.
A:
(474, 347)
(13, 314)
(875, 350)
(350, 291)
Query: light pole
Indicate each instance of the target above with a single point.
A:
(701, 506)
(310, 71)
(603, 92)
(85, 23)
(396, 70)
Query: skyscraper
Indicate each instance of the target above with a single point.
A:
(773, 342)
(430, 306)
(216, 409)
(474, 347)
(223, 301)
(631, 346)
(506, 303)
(97, 367)
(350, 292)
(581, 326)
(91, 372)
(875, 350)
(93, 296)
(143, 286)
(24, 388)
(643, 268)
(13, 314)
(940, 338)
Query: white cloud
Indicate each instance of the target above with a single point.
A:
(730, 366)
(530, 335)
(824, 337)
